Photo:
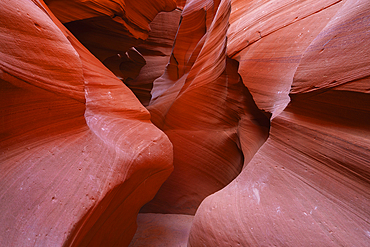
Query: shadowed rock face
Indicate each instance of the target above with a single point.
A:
(110, 29)
(255, 131)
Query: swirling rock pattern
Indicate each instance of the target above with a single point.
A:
(205, 112)
(111, 30)
(269, 42)
(79, 155)
(263, 109)
(309, 183)
(156, 50)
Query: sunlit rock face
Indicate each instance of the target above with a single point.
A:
(79, 155)
(308, 185)
(255, 130)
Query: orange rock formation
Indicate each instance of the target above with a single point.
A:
(239, 123)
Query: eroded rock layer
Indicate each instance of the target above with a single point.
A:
(309, 183)
(262, 108)
(79, 155)
(112, 29)
(160, 230)
(205, 110)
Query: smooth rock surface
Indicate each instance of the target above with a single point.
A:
(256, 133)
(156, 51)
(79, 155)
(307, 186)
(268, 65)
(125, 37)
(159, 230)
(206, 111)
(309, 183)
(339, 54)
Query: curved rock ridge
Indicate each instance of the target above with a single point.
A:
(130, 14)
(79, 155)
(124, 36)
(156, 51)
(268, 64)
(309, 183)
(339, 55)
(262, 111)
(202, 105)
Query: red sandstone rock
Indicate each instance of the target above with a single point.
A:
(110, 30)
(204, 112)
(268, 65)
(339, 54)
(134, 16)
(309, 183)
(156, 51)
(253, 20)
(79, 156)
(162, 230)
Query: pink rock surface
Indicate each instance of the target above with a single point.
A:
(125, 37)
(134, 16)
(205, 111)
(162, 230)
(79, 156)
(340, 54)
(268, 65)
(309, 183)
(263, 107)
(156, 51)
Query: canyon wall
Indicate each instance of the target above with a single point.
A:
(223, 122)
(79, 155)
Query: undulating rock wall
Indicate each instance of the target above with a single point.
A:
(79, 155)
(308, 185)
(203, 107)
(255, 130)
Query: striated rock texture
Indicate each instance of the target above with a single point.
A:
(79, 155)
(156, 51)
(202, 105)
(309, 184)
(261, 108)
(110, 30)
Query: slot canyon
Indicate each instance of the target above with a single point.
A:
(184, 123)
